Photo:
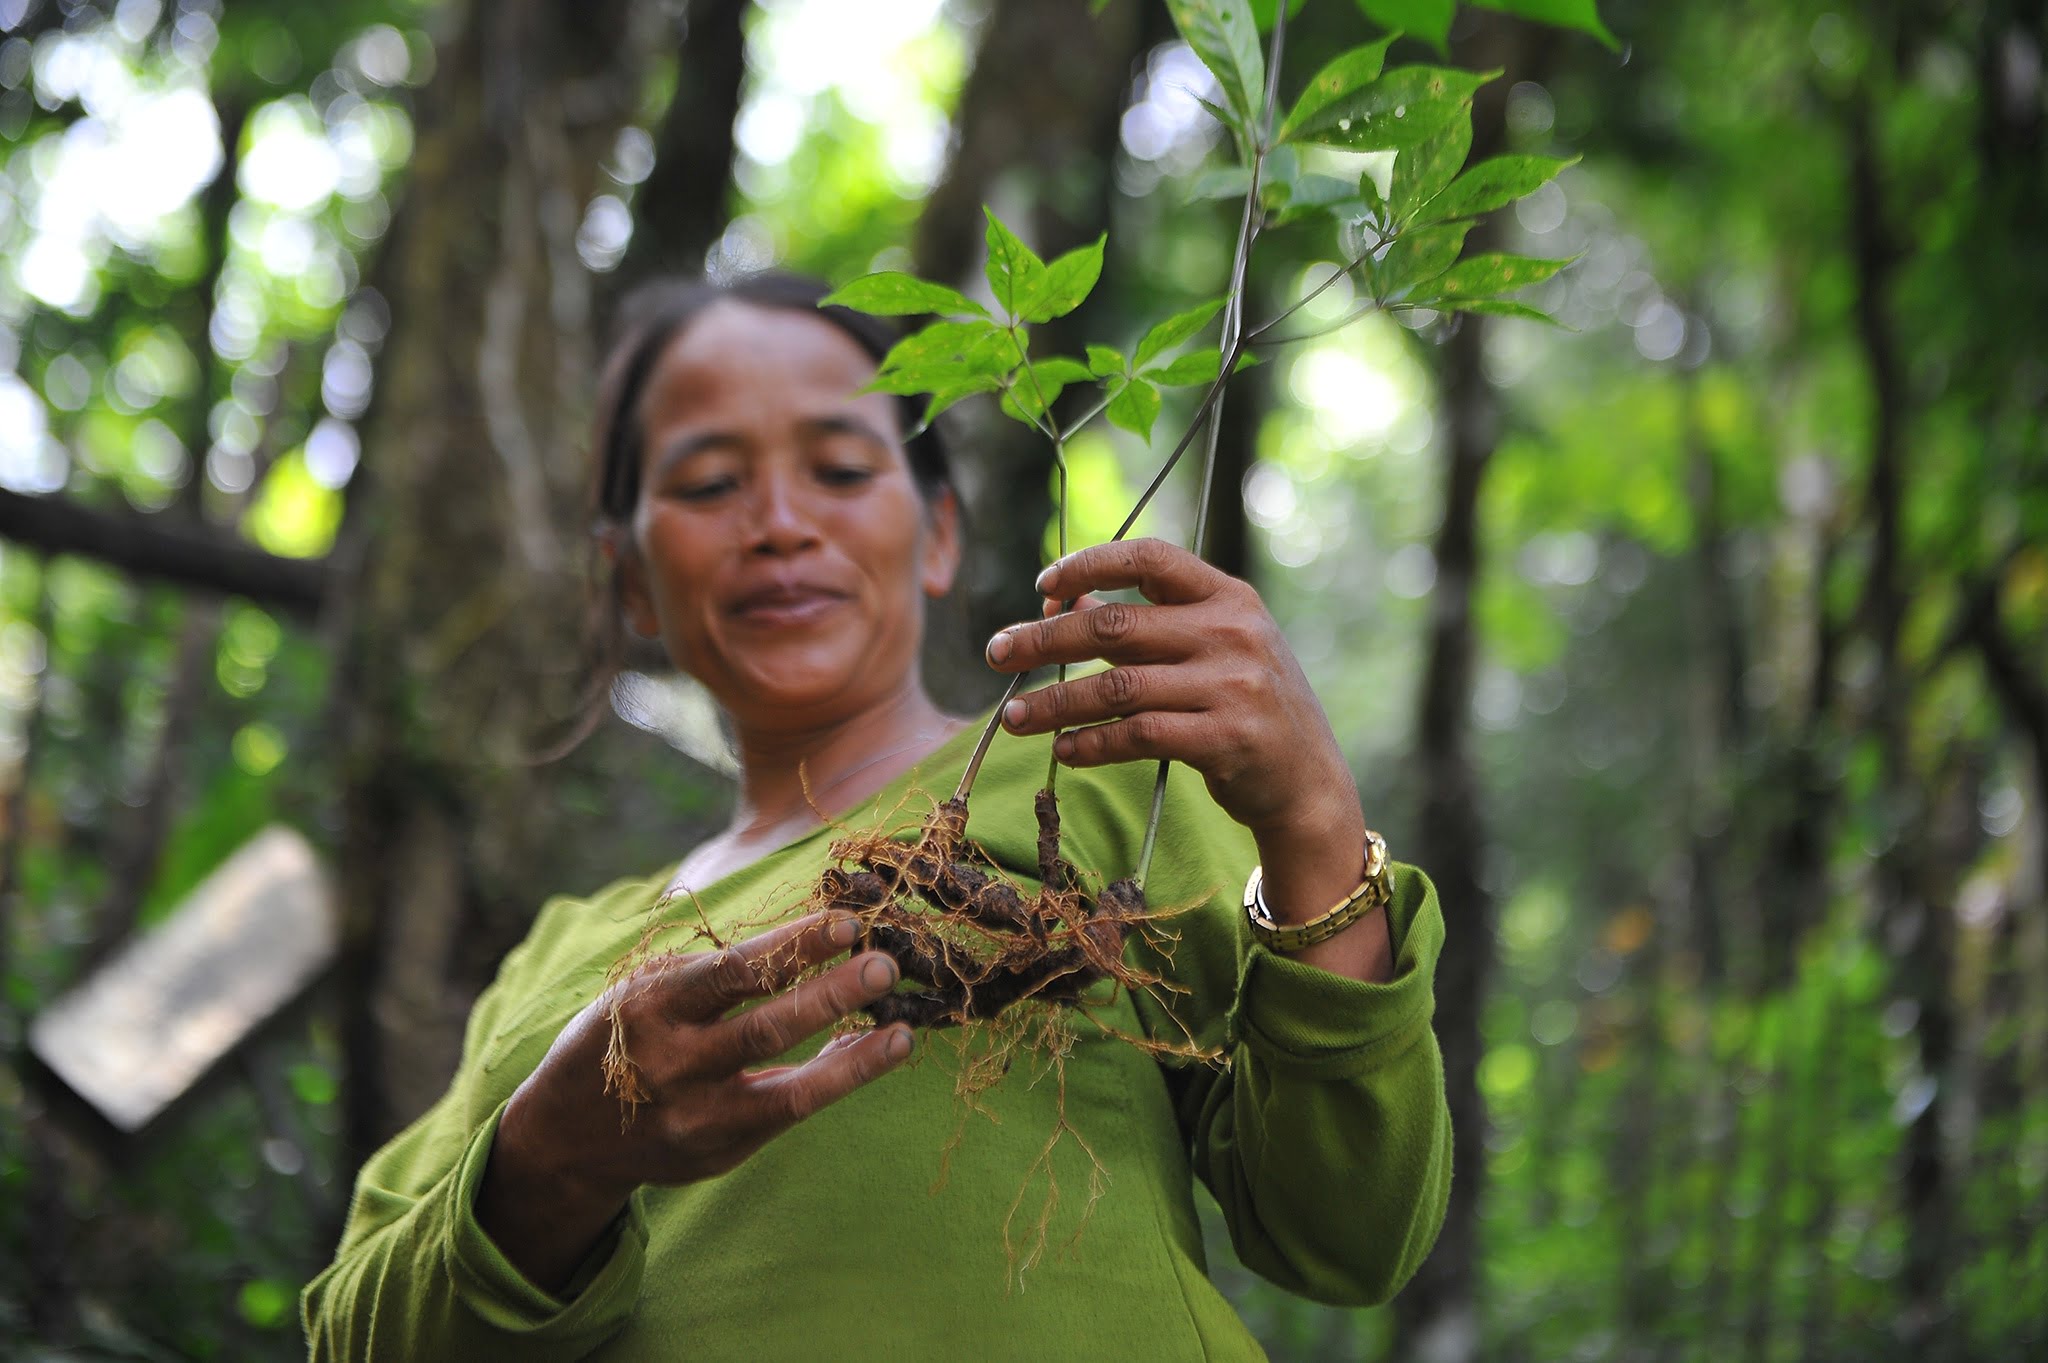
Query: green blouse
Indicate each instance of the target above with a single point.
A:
(877, 1227)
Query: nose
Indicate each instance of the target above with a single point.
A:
(782, 520)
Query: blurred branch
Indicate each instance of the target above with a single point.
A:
(144, 546)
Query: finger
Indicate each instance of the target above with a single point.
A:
(1118, 631)
(1153, 734)
(708, 985)
(787, 1096)
(772, 1028)
(1115, 694)
(1164, 573)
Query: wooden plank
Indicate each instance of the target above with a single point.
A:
(145, 1027)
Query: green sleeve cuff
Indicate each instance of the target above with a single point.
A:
(1309, 1021)
(598, 1298)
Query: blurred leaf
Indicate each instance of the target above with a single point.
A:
(1222, 182)
(1165, 335)
(1404, 108)
(1429, 20)
(1335, 83)
(293, 516)
(313, 1084)
(891, 293)
(1222, 34)
(1134, 407)
(267, 1303)
(1583, 15)
(1264, 10)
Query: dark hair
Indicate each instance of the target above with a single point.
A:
(649, 319)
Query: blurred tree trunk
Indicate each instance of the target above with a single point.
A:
(1437, 1315)
(463, 554)
(1914, 915)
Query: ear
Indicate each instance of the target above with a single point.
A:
(941, 544)
(629, 576)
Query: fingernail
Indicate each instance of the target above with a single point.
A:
(898, 1045)
(1045, 577)
(1063, 747)
(879, 973)
(999, 647)
(1014, 712)
(843, 932)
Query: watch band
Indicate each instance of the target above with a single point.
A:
(1373, 891)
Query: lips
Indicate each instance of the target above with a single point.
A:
(785, 603)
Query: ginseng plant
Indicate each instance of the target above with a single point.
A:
(979, 945)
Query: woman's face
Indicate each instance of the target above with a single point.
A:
(781, 548)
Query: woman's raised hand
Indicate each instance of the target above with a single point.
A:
(1201, 675)
(566, 1156)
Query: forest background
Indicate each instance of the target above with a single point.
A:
(1698, 647)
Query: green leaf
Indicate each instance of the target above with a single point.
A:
(1061, 369)
(1421, 172)
(1021, 402)
(1062, 285)
(946, 397)
(1418, 257)
(1402, 109)
(891, 293)
(1346, 75)
(1135, 406)
(1495, 184)
(1223, 182)
(1165, 335)
(1497, 307)
(1197, 366)
(1104, 361)
(1429, 20)
(1223, 35)
(1226, 118)
(1014, 269)
(944, 355)
(1583, 15)
(1487, 275)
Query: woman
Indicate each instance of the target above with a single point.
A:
(774, 1197)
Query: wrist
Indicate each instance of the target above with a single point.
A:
(1311, 860)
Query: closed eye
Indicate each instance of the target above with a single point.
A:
(708, 490)
(845, 475)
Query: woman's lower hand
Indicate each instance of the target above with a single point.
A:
(568, 1153)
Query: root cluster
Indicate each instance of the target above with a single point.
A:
(982, 945)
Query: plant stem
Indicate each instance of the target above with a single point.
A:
(1233, 343)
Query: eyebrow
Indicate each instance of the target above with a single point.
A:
(839, 424)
